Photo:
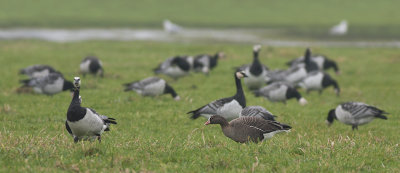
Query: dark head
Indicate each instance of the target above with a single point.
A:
(217, 119)
(307, 56)
(293, 93)
(328, 81)
(68, 85)
(169, 90)
(331, 117)
(331, 64)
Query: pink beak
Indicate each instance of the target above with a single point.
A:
(207, 122)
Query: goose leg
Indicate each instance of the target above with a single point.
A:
(354, 127)
(99, 138)
(76, 139)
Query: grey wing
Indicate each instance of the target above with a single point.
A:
(243, 67)
(265, 126)
(359, 110)
(272, 87)
(149, 81)
(257, 111)
(212, 107)
(277, 75)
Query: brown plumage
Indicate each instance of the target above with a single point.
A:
(245, 129)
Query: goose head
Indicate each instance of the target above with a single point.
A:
(216, 119)
(77, 82)
(240, 74)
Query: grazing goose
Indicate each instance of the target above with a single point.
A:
(37, 71)
(257, 111)
(295, 74)
(256, 71)
(151, 86)
(49, 85)
(355, 114)
(205, 63)
(174, 67)
(92, 65)
(280, 92)
(319, 80)
(85, 123)
(170, 27)
(248, 129)
(229, 107)
(340, 29)
(321, 61)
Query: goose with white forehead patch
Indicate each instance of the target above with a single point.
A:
(229, 107)
(205, 63)
(175, 67)
(257, 111)
(256, 71)
(91, 65)
(151, 86)
(248, 129)
(355, 114)
(51, 84)
(319, 80)
(85, 123)
(280, 92)
(37, 71)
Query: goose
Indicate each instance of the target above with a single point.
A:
(248, 129)
(205, 63)
(229, 107)
(151, 86)
(85, 123)
(355, 114)
(51, 84)
(257, 111)
(321, 61)
(340, 29)
(170, 27)
(174, 67)
(319, 80)
(256, 71)
(92, 65)
(295, 74)
(37, 70)
(280, 92)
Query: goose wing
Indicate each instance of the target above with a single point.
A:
(257, 111)
(361, 110)
(264, 126)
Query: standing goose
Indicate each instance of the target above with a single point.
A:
(205, 63)
(229, 107)
(355, 114)
(51, 84)
(151, 86)
(92, 65)
(37, 71)
(280, 92)
(256, 71)
(248, 129)
(321, 61)
(257, 111)
(174, 67)
(319, 80)
(85, 123)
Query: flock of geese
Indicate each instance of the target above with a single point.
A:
(238, 121)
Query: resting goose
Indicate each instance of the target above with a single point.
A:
(37, 70)
(151, 86)
(256, 71)
(295, 74)
(355, 114)
(229, 107)
(257, 111)
(205, 63)
(85, 123)
(174, 67)
(92, 65)
(280, 92)
(248, 129)
(51, 84)
(319, 80)
(322, 62)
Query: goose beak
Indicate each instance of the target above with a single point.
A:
(177, 98)
(207, 122)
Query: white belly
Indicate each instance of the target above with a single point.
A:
(313, 82)
(90, 125)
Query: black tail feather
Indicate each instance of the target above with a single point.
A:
(194, 113)
(381, 116)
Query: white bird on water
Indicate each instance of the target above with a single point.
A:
(340, 29)
(170, 27)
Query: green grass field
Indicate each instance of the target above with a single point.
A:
(155, 134)
(368, 19)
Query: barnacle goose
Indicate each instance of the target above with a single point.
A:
(92, 65)
(319, 80)
(174, 67)
(151, 86)
(280, 92)
(37, 70)
(51, 84)
(205, 63)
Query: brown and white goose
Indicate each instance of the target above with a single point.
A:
(248, 129)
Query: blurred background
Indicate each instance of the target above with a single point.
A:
(262, 21)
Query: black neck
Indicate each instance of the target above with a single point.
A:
(68, 85)
(239, 92)
(256, 67)
(328, 81)
(182, 64)
(169, 90)
(214, 61)
(329, 63)
(292, 93)
(75, 111)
